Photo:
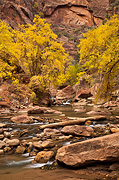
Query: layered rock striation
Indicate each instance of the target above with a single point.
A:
(70, 12)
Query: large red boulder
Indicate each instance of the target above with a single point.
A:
(101, 149)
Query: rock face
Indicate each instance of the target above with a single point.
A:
(70, 12)
(102, 149)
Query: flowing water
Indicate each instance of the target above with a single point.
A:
(11, 163)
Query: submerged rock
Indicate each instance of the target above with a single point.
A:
(101, 149)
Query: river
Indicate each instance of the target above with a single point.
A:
(19, 166)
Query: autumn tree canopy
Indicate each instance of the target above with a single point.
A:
(99, 55)
(35, 49)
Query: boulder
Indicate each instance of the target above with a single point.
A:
(49, 131)
(13, 142)
(78, 130)
(2, 144)
(101, 149)
(36, 110)
(83, 94)
(3, 125)
(44, 156)
(48, 144)
(7, 149)
(66, 93)
(41, 110)
(1, 152)
(1, 136)
(21, 119)
(38, 145)
(20, 150)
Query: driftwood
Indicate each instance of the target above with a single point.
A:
(73, 122)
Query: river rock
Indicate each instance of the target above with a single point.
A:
(36, 110)
(44, 156)
(49, 131)
(1, 131)
(84, 94)
(66, 93)
(41, 110)
(78, 130)
(1, 136)
(2, 125)
(21, 119)
(1, 152)
(101, 149)
(13, 142)
(38, 145)
(6, 134)
(7, 149)
(20, 150)
(2, 144)
(48, 144)
(79, 104)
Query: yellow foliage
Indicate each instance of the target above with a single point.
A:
(39, 52)
(35, 49)
(7, 53)
(100, 55)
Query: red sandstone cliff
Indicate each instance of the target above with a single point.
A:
(71, 12)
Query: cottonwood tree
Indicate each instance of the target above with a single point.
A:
(99, 55)
(8, 56)
(40, 54)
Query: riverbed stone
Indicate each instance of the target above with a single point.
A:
(77, 130)
(20, 149)
(7, 149)
(1, 152)
(101, 149)
(42, 110)
(2, 125)
(6, 134)
(38, 145)
(2, 144)
(36, 110)
(30, 147)
(21, 119)
(48, 144)
(13, 142)
(44, 156)
(1, 136)
(1, 131)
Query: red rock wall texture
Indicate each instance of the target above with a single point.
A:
(70, 12)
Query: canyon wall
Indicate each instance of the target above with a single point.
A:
(68, 12)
